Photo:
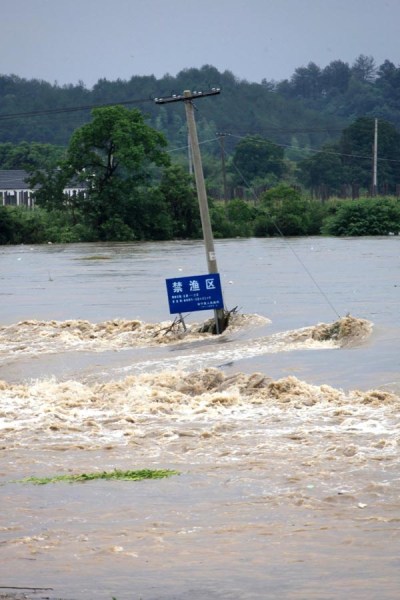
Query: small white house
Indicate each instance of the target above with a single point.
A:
(15, 191)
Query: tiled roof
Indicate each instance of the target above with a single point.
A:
(13, 180)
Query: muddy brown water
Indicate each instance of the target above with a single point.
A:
(289, 463)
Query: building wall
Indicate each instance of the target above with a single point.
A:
(16, 198)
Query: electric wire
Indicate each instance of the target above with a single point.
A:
(275, 130)
(278, 229)
(187, 145)
(290, 247)
(70, 109)
(312, 150)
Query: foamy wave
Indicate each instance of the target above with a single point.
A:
(43, 337)
(182, 418)
(71, 405)
(54, 336)
(346, 331)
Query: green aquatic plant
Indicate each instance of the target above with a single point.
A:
(95, 257)
(116, 474)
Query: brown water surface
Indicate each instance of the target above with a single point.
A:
(287, 444)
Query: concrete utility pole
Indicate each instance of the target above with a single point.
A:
(221, 137)
(375, 161)
(187, 98)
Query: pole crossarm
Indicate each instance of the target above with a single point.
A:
(182, 97)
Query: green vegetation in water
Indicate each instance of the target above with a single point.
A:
(117, 474)
(95, 257)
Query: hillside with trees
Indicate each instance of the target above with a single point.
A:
(311, 106)
(284, 146)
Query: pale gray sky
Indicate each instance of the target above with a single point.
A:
(71, 40)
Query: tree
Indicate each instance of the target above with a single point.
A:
(307, 81)
(257, 158)
(364, 68)
(29, 156)
(335, 77)
(356, 145)
(236, 219)
(287, 212)
(388, 81)
(115, 156)
(350, 160)
(322, 169)
(177, 189)
(50, 184)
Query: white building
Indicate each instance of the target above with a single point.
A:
(15, 191)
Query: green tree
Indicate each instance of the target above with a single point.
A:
(20, 226)
(287, 212)
(49, 184)
(257, 158)
(177, 189)
(364, 68)
(322, 169)
(307, 81)
(114, 156)
(236, 219)
(29, 155)
(356, 145)
(336, 77)
(349, 161)
(148, 216)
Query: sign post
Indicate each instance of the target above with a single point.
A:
(187, 98)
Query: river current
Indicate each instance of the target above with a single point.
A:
(286, 440)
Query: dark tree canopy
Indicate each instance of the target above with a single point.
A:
(257, 158)
(350, 161)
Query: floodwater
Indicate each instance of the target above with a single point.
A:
(286, 439)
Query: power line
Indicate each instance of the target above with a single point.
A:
(290, 246)
(311, 150)
(187, 145)
(296, 130)
(70, 109)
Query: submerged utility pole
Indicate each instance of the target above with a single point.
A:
(187, 98)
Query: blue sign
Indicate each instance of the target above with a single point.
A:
(198, 292)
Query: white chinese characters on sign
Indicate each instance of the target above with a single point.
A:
(198, 292)
(210, 285)
(194, 285)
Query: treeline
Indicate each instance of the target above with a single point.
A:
(302, 116)
(282, 211)
(131, 189)
(349, 91)
(274, 155)
(308, 109)
(341, 169)
(242, 108)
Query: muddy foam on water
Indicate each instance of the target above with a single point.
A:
(73, 414)
(346, 331)
(263, 463)
(54, 414)
(41, 337)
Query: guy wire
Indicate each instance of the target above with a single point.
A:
(321, 291)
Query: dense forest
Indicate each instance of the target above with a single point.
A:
(312, 134)
(308, 110)
(242, 108)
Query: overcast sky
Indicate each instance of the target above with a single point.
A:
(66, 41)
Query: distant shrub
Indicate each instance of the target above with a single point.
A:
(366, 216)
